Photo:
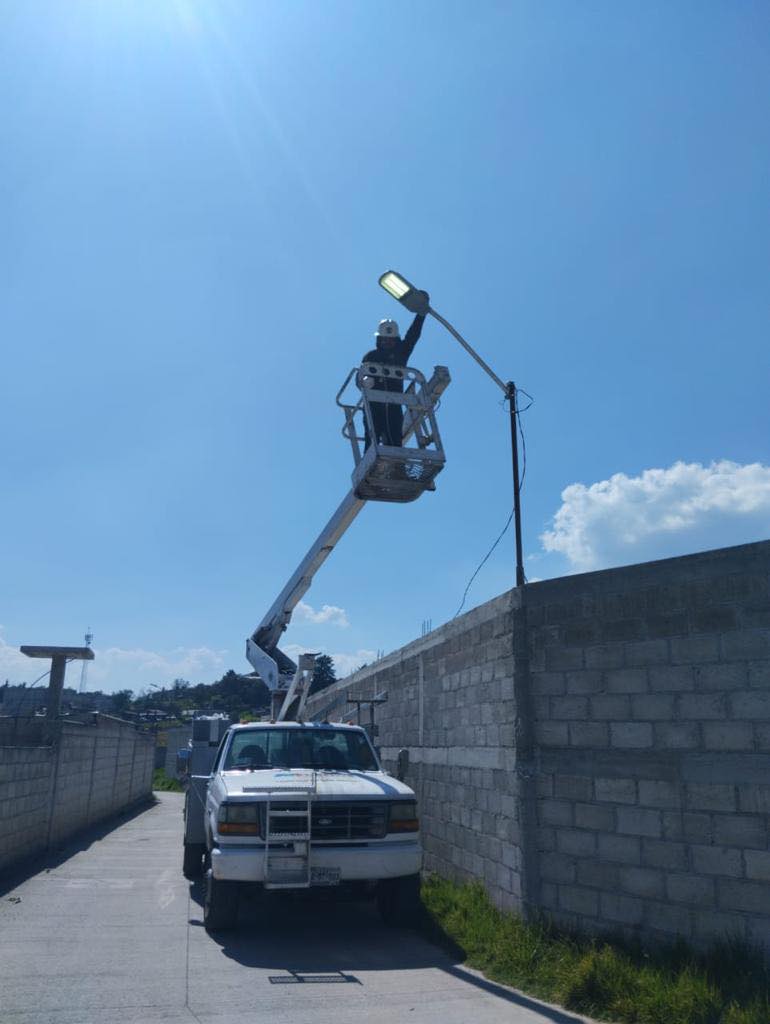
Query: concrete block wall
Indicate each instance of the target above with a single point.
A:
(597, 746)
(50, 792)
(451, 703)
(651, 692)
(25, 794)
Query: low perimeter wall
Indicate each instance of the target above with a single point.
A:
(598, 747)
(50, 791)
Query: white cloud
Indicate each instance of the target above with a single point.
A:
(344, 662)
(329, 614)
(662, 512)
(117, 668)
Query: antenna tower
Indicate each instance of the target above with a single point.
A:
(89, 638)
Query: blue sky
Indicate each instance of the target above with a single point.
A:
(197, 201)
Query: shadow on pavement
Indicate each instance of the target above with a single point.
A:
(309, 936)
(61, 852)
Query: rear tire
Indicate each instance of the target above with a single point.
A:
(192, 865)
(398, 900)
(220, 906)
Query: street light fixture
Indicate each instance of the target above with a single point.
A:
(416, 301)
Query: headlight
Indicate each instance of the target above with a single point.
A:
(403, 817)
(238, 819)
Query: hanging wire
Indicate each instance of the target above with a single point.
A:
(519, 391)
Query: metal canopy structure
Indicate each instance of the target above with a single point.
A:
(59, 657)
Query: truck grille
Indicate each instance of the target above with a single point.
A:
(338, 820)
(353, 820)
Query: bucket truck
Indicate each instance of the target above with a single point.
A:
(290, 804)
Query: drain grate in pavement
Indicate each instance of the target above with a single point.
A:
(301, 978)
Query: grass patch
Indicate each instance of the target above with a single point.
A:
(603, 978)
(165, 783)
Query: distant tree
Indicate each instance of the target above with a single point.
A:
(122, 699)
(324, 674)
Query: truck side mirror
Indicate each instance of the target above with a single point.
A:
(402, 764)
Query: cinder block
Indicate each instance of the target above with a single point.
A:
(666, 917)
(659, 794)
(631, 735)
(746, 644)
(691, 889)
(716, 619)
(619, 791)
(569, 708)
(754, 798)
(576, 842)
(758, 865)
(555, 812)
(753, 704)
(557, 867)
(545, 684)
(624, 909)
(740, 830)
(598, 873)
(573, 787)
(711, 797)
(759, 674)
(751, 897)
(595, 816)
(647, 652)
(611, 707)
(692, 649)
(671, 678)
(717, 860)
(559, 659)
(604, 656)
(620, 849)
(637, 821)
(626, 680)
(552, 734)
(677, 735)
(699, 706)
(728, 736)
(696, 828)
(588, 734)
(577, 900)
(584, 682)
(722, 677)
(642, 882)
(658, 853)
(653, 707)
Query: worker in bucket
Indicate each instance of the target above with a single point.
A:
(391, 350)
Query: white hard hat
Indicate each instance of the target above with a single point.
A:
(387, 329)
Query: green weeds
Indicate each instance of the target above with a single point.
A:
(608, 979)
(163, 782)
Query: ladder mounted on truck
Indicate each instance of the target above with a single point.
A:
(392, 473)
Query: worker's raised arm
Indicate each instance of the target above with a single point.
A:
(412, 336)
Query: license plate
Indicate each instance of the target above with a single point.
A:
(324, 876)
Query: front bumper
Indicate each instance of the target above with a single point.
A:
(363, 863)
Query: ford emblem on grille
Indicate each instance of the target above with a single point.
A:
(324, 821)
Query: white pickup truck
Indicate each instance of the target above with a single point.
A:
(293, 805)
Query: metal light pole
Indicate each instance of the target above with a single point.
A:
(416, 301)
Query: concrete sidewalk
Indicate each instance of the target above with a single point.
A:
(113, 933)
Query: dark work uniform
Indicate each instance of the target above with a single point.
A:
(389, 418)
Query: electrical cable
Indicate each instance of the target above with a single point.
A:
(521, 487)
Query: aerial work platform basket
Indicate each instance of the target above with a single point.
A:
(386, 470)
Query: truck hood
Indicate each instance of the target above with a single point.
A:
(329, 785)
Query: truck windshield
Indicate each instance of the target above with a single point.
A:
(334, 749)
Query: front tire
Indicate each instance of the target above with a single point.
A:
(220, 906)
(192, 865)
(398, 900)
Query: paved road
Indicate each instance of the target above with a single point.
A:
(110, 933)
